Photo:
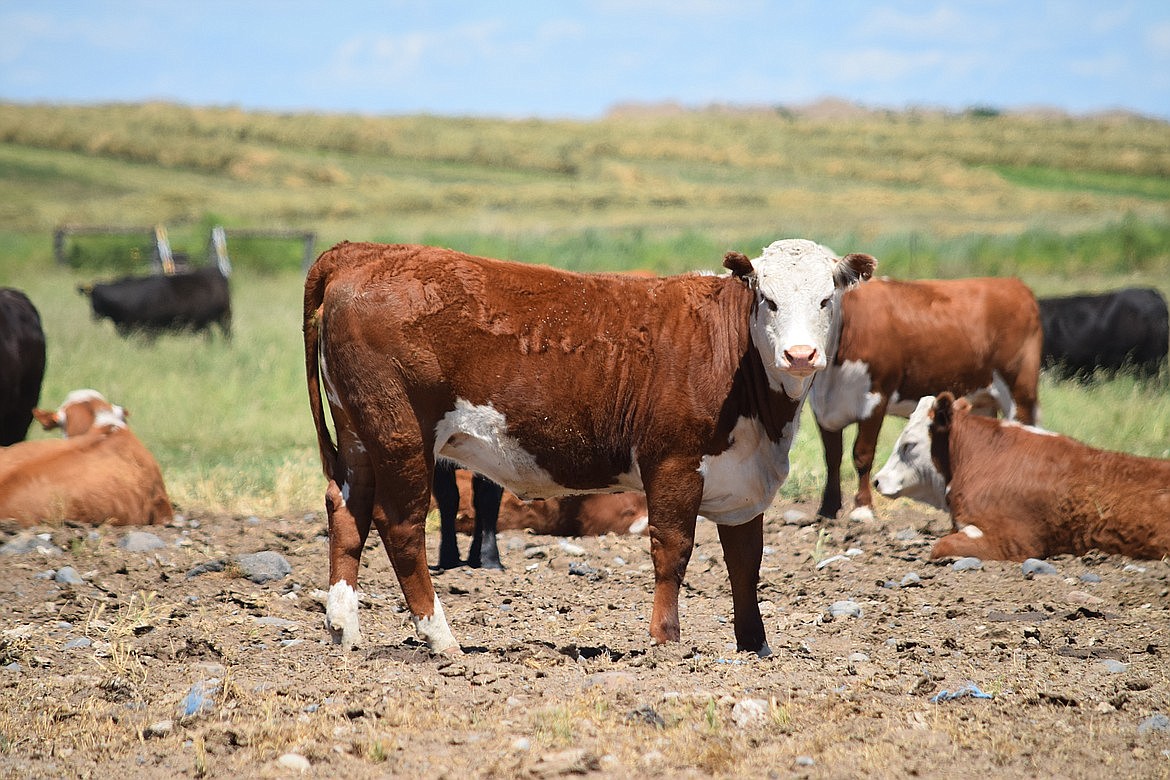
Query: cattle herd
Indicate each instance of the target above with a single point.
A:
(510, 395)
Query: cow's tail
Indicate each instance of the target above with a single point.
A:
(314, 297)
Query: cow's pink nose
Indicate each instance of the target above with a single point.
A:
(800, 359)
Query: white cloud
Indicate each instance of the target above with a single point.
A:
(1158, 40)
(940, 23)
(1105, 66)
(390, 59)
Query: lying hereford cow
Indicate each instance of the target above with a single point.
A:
(1017, 492)
(903, 340)
(22, 364)
(1109, 331)
(592, 514)
(100, 472)
(550, 383)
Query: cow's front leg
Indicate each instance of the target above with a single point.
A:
(347, 536)
(834, 449)
(864, 448)
(673, 494)
(743, 549)
(974, 541)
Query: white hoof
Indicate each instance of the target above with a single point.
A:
(341, 615)
(863, 514)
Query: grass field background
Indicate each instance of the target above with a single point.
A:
(1067, 204)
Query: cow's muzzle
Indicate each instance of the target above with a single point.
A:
(801, 360)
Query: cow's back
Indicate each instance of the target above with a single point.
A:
(22, 364)
(104, 475)
(624, 361)
(913, 334)
(1108, 331)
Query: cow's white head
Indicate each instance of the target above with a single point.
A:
(795, 320)
(80, 411)
(910, 472)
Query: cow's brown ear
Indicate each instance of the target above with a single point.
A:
(942, 413)
(738, 263)
(860, 267)
(961, 405)
(47, 419)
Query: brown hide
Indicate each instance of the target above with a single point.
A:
(583, 515)
(103, 475)
(921, 338)
(1034, 495)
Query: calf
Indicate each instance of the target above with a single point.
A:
(591, 514)
(903, 340)
(22, 364)
(100, 472)
(1084, 334)
(1017, 492)
(551, 383)
(191, 300)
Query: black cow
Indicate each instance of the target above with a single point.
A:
(22, 364)
(192, 300)
(1110, 331)
(485, 499)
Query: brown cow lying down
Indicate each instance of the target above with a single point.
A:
(100, 472)
(1017, 492)
(587, 515)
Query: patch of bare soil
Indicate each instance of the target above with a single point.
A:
(139, 670)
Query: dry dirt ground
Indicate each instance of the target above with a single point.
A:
(558, 677)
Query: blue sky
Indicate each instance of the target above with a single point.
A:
(580, 57)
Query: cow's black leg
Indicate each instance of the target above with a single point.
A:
(485, 498)
(446, 492)
(743, 549)
(834, 449)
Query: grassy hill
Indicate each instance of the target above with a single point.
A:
(1066, 203)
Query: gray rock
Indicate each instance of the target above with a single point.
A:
(796, 517)
(749, 712)
(1034, 566)
(294, 762)
(263, 567)
(141, 541)
(67, 575)
(1090, 577)
(78, 643)
(967, 564)
(159, 728)
(1112, 666)
(910, 580)
(845, 609)
(29, 542)
(204, 568)
(1156, 722)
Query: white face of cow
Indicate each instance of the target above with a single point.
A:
(798, 287)
(910, 472)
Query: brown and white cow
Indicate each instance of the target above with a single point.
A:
(901, 340)
(686, 388)
(1018, 492)
(591, 514)
(100, 472)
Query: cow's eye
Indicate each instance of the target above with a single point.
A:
(825, 303)
(908, 449)
(771, 304)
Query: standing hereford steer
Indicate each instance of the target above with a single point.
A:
(551, 383)
(22, 364)
(903, 340)
(1017, 492)
(100, 472)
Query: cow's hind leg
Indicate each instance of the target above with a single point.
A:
(349, 526)
(743, 548)
(673, 493)
(447, 498)
(400, 512)
(485, 497)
